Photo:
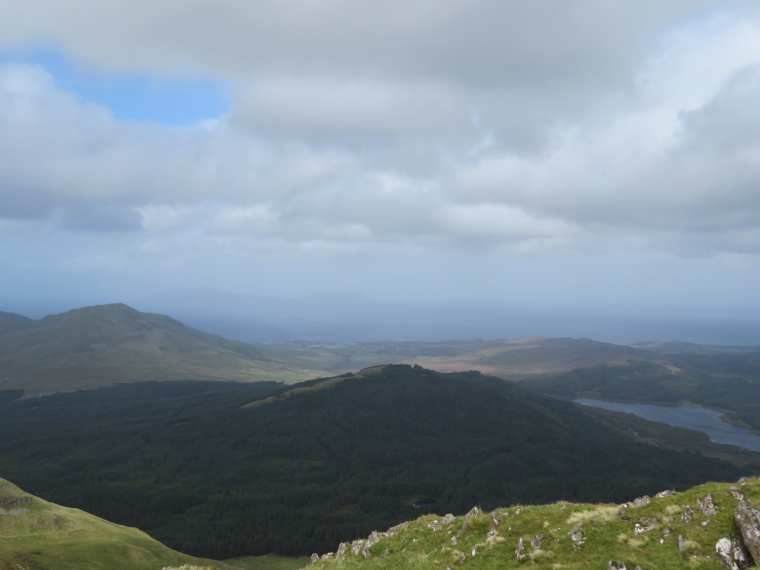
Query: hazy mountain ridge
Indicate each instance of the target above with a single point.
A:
(105, 344)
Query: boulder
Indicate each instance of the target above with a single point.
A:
(732, 553)
(706, 505)
(641, 502)
(520, 550)
(748, 521)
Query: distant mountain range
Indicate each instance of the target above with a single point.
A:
(106, 344)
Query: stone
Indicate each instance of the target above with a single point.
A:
(748, 521)
(448, 519)
(622, 509)
(641, 502)
(435, 526)
(356, 547)
(314, 558)
(706, 505)
(687, 515)
(663, 494)
(453, 541)
(681, 544)
(494, 521)
(537, 541)
(474, 512)
(520, 550)
(612, 565)
(645, 525)
(731, 553)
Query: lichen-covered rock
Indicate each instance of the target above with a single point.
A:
(448, 519)
(537, 541)
(732, 553)
(687, 515)
(576, 535)
(748, 521)
(612, 565)
(641, 502)
(520, 550)
(706, 505)
(474, 512)
(435, 526)
(314, 558)
(667, 493)
(645, 525)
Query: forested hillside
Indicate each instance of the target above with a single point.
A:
(307, 466)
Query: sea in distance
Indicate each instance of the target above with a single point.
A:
(705, 420)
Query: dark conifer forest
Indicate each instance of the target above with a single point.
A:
(313, 464)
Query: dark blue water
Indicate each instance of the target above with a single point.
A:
(701, 419)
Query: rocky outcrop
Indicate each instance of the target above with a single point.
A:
(732, 554)
(748, 520)
(706, 505)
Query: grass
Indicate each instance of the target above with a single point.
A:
(37, 535)
(474, 542)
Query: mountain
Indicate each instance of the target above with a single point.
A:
(10, 322)
(710, 527)
(106, 344)
(219, 469)
(38, 535)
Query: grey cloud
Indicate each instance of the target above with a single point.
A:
(102, 219)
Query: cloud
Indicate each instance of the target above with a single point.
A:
(429, 126)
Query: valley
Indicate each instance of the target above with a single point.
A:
(228, 451)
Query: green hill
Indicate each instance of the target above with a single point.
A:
(667, 531)
(38, 535)
(222, 469)
(105, 344)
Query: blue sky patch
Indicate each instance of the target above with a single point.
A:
(175, 103)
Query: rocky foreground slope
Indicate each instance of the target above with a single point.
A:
(712, 526)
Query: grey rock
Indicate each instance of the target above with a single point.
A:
(520, 550)
(453, 541)
(748, 520)
(612, 565)
(731, 553)
(645, 525)
(356, 547)
(314, 558)
(706, 505)
(687, 515)
(448, 519)
(474, 512)
(621, 510)
(641, 502)
(435, 526)
(537, 541)
(663, 494)
(681, 544)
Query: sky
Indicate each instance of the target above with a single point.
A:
(576, 157)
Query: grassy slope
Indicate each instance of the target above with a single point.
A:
(607, 535)
(102, 345)
(39, 535)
